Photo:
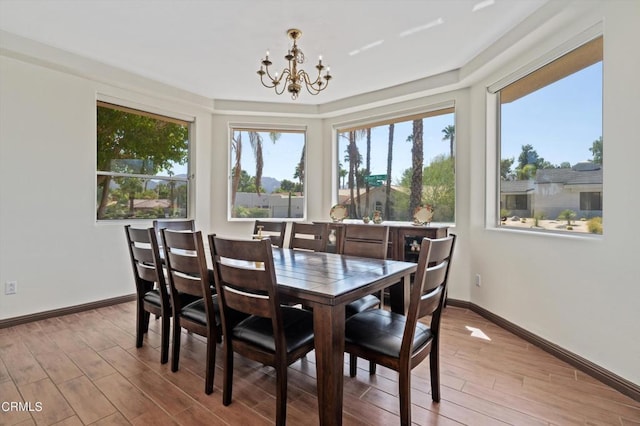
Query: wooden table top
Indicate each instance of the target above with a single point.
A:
(331, 279)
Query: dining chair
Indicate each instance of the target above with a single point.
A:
(188, 275)
(273, 335)
(152, 296)
(274, 230)
(173, 224)
(364, 241)
(402, 342)
(308, 236)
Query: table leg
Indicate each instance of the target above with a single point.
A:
(328, 326)
(399, 295)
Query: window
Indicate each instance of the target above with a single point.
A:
(550, 143)
(590, 201)
(142, 164)
(396, 165)
(267, 173)
(516, 202)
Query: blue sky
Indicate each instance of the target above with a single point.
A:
(560, 121)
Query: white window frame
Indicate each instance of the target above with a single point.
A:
(493, 136)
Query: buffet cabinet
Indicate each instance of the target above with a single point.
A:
(404, 238)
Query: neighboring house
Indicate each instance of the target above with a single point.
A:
(516, 196)
(276, 203)
(151, 204)
(377, 199)
(578, 188)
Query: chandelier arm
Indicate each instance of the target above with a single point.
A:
(314, 87)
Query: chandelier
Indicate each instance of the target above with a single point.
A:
(292, 78)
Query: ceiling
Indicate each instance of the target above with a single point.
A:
(213, 48)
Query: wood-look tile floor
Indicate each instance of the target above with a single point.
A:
(85, 369)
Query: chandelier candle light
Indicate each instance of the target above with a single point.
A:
(294, 78)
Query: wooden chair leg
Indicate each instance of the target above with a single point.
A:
(353, 365)
(139, 326)
(404, 387)
(164, 339)
(372, 368)
(175, 355)
(211, 365)
(281, 394)
(434, 370)
(227, 385)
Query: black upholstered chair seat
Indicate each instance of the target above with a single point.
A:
(297, 324)
(364, 303)
(381, 331)
(195, 311)
(153, 297)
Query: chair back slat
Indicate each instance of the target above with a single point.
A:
(274, 230)
(433, 287)
(308, 236)
(247, 302)
(186, 263)
(146, 272)
(365, 241)
(429, 286)
(174, 225)
(145, 260)
(143, 253)
(245, 277)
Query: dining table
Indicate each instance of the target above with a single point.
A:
(326, 282)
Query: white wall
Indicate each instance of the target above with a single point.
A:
(50, 241)
(581, 294)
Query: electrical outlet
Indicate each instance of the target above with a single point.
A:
(478, 280)
(11, 287)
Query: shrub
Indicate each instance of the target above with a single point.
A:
(537, 217)
(594, 225)
(567, 215)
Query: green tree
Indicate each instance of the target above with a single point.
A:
(255, 139)
(299, 173)
(248, 183)
(367, 172)
(439, 187)
(449, 135)
(388, 205)
(289, 186)
(505, 168)
(256, 143)
(133, 143)
(528, 156)
(596, 150)
(417, 161)
(439, 184)
(236, 170)
(342, 173)
(567, 215)
(529, 162)
(353, 157)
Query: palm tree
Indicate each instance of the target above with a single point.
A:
(450, 135)
(342, 174)
(387, 204)
(367, 173)
(417, 161)
(255, 139)
(299, 174)
(353, 157)
(236, 171)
